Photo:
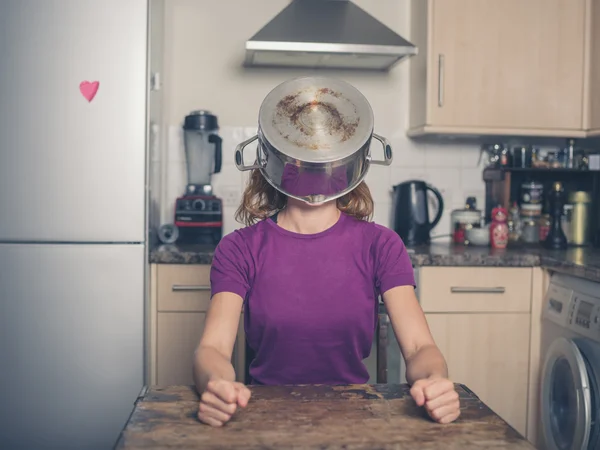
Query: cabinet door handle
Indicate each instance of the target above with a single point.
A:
(183, 287)
(441, 80)
(477, 290)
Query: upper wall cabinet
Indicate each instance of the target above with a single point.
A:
(510, 67)
(593, 39)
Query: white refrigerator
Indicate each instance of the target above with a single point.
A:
(72, 219)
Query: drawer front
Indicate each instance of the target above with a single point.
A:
(183, 287)
(475, 289)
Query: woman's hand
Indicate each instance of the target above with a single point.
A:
(220, 400)
(439, 398)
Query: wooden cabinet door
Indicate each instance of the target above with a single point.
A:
(594, 83)
(178, 335)
(506, 64)
(489, 353)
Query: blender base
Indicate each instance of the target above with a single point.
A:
(199, 219)
(199, 236)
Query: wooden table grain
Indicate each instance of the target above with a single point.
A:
(381, 416)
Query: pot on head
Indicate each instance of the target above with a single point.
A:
(314, 137)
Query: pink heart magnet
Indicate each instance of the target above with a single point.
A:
(89, 89)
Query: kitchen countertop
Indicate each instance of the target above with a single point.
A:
(380, 416)
(182, 254)
(581, 262)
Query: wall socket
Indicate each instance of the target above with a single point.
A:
(230, 195)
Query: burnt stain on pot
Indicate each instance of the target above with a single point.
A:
(293, 110)
(329, 92)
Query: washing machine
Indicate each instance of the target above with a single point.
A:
(570, 361)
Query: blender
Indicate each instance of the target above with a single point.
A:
(198, 213)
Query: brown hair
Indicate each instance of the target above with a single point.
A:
(261, 200)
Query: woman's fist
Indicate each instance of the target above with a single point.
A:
(439, 398)
(220, 400)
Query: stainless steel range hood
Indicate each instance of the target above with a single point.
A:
(326, 34)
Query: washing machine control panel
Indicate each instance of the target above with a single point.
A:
(574, 307)
(558, 304)
(585, 315)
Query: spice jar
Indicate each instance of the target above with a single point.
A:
(531, 193)
(553, 161)
(522, 157)
(514, 224)
(544, 226)
(531, 211)
(531, 232)
(458, 236)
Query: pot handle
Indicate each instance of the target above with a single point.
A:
(387, 151)
(239, 155)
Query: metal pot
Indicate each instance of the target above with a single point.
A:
(314, 137)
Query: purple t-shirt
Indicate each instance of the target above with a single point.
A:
(310, 300)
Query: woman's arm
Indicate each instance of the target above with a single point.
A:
(212, 359)
(214, 376)
(213, 372)
(422, 356)
(426, 368)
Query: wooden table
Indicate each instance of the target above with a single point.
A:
(382, 416)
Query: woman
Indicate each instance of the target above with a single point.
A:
(309, 278)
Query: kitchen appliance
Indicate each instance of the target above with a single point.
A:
(497, 190)
(411, 211)
(73, 256)
(314, 139)
(199, 213)
(579, 226)
(326, 34)
(461, 220)
(570, 362)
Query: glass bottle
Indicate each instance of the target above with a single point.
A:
(514, 224)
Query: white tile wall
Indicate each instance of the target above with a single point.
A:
(449, 167)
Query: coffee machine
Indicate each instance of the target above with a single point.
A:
(199, 213)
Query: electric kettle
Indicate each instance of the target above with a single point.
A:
(411, 211)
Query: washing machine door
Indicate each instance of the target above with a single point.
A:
(566, 398)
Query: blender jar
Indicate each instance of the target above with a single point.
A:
(203, 147)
